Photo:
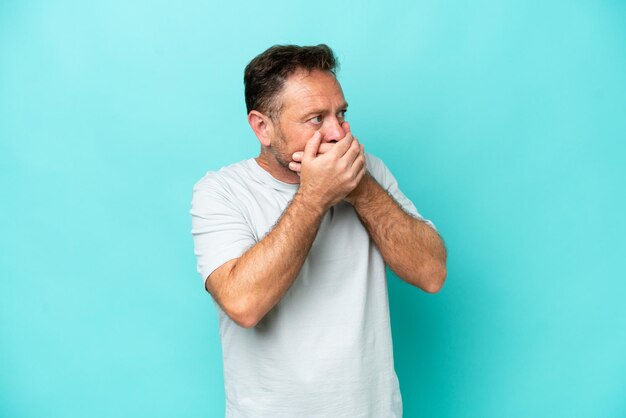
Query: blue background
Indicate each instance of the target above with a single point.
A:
(503, 121)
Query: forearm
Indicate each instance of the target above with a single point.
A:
(248, 287)
(411, 248)
(264, 273)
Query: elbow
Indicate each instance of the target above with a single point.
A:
(436, 277)
(240, 309)
(243, 314)
(246, 322)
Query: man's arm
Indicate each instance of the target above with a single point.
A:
(411, 248)
(249, 286)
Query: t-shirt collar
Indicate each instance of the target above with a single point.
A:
(266, 178)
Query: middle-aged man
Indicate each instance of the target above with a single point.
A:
(292, 246)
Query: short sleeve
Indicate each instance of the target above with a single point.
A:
(383, 176)
(220, 231)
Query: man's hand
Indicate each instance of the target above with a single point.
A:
(296, 164)
(329, 172)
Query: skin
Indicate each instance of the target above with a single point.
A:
(310, 143)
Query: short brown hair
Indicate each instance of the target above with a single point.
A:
(266, 74)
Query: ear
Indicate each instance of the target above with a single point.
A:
(262, 127)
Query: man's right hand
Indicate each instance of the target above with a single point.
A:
(328, 175)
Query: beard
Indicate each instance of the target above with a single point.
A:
(278, 149)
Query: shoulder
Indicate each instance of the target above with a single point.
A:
(221, 187)
(224, 178)
(377, 169)
(374, 164)
(373, 161)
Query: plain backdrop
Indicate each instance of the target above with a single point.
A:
(503, 121)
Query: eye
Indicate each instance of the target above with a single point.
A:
(342, 114)
(317, 119)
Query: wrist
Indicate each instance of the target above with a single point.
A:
(309, 204)
(362, 191)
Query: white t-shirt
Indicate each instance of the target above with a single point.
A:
(325, 349)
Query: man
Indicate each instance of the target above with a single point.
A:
(292, 246)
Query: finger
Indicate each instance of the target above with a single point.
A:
(294, 166)
(312, 145)
(359, 164)
(353, 152)
(297, 156)
(323, 149)
(360, 168)
(360, 174)
(343, 145)
(360, 155)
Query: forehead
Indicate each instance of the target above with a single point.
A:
(304, 90)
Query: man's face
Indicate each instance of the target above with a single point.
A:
(310, 102)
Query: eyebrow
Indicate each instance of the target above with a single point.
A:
(319, 111)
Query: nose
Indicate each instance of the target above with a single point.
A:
(332, 131)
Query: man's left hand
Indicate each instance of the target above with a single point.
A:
(296, 164)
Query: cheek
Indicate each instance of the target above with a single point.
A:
(298, 138)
